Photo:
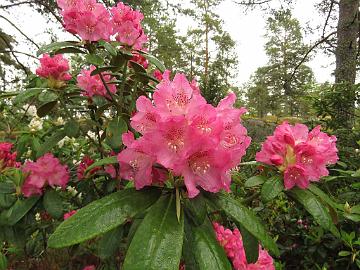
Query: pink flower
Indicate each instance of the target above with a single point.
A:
(301, 155)
(141, 60)
(158, 75)
(54, 68)
(47, 170)
(87, 18)
(127, 28)
(231, 241)
(69, 214)
(92, 85)
(7, 158)
(90, 267)
(184, 135)
(85, 163)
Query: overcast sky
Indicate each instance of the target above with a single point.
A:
(247, 29)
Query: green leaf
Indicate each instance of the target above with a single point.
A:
(47, 96)
(94, 59)
(344, 253)
(355, 209)
(7, 187)
(255, 181)
(3, 262)
(153, 60)
(251, 245)
(46, 108)
(69, 50)
(272, 188)
(72, 128)
(12, 215)
(102, 162)
(55, 46)
(102, 216)
(353, 217)
(323, 196)
(53, 203)
(315, 208)
(114, 131)
(137, 67)
(109, 243)
(246, 218)
(196, 210)
(7, 200)
(103, 69)
(51, 142)
(356, 174)
(202, 251)
(25, 95)
(110, 48)
(158, 239)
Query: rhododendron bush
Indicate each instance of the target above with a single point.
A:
(126, 161)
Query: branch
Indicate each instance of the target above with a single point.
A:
(327, 18)
(252, 2)
(16, 4)
(14, 55)
(324, 39)
(12, 51)
(21, 32)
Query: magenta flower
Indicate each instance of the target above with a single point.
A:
(84, 164)
(184, 135)
(127, 28)
(7, 158)
(92, 85)
(69, 214)
(47, 170)
(232, 243)
(55, 69)
(89, 267)
(301, 155)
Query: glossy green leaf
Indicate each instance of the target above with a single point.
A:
(7, 200)
(46, 108)
(114, 131)
(16, 212)
(246, 218)
(3, 262)
(153, 60)
(255, 181)
(315, 208)
(272, 188)
(69, 50)
(344, 253)
(47, 96)
(102, 216)
(109, 243)
(94, 59)
(355, 209)
(110, 48)
(55, 46)
(323, 196)
(72, 128)
(353, 217)
(50, 142)
(158, 239)
(201, 249)
(196, 209)
(53, 203)
(28, 93)
(102, 162)
(251, 245)
(7, 187)
(103, 69)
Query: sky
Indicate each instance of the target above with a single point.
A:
(246, 28)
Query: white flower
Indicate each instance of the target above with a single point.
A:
(63, 141)
(59, 121)
(31, 111)
(36, 124)
(37, 217)
(72, 191)
(92, 135)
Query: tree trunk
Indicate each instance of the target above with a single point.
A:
(206, 75)
(346, 53)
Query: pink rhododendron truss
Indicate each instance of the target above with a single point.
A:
(300, 155)
(183, 134)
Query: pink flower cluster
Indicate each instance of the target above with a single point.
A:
(185, 135)
(301, 155)
(7, 158)
(93, 22)
(127, 26)
(92, 85)
(47, 170)
(84, 164)
(54, 68)
(89, 267)
(69, 214)
(231, 241)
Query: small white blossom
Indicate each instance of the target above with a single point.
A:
(31, 111)
(36, 124)
(59, 121)
(37, 217)
(72, 191)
